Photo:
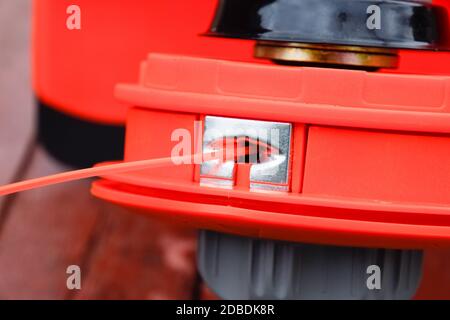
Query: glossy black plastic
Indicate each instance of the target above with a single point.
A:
(77, 142)
(404, 24)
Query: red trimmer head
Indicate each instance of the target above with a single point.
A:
(345, 129)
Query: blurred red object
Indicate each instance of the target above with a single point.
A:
(75, 71)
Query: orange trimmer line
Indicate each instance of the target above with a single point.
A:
(106, 170)
(86, 173)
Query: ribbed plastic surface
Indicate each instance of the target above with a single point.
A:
(245, 268)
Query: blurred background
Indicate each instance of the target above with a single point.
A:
(121, 255)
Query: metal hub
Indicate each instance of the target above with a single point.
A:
(327, 55)
(334, 33)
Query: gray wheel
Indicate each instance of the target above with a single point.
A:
(244, 268)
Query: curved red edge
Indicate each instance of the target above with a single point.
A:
(264, 224)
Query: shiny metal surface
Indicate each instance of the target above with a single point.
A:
(321, 54)
(268, 145)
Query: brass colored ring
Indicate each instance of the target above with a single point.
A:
(354, 56)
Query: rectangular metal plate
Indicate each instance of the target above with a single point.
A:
(270, 143)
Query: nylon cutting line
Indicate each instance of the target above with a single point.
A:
(101, 171)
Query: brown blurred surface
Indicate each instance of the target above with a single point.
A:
(122, 255)
(16, 102)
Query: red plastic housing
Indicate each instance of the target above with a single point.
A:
(371, 151)
(370, 164)
(75, 71)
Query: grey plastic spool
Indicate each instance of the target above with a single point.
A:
(244, 268)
